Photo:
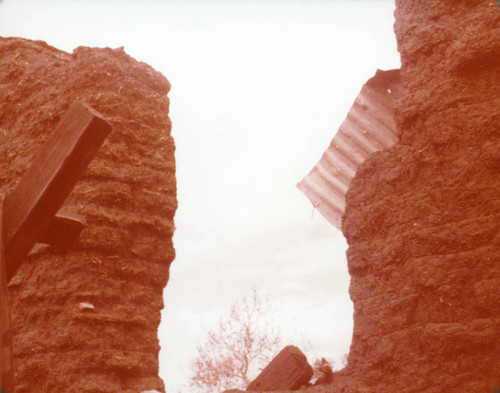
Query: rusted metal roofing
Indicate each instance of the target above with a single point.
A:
(368, 127)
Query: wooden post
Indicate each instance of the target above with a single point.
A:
(5, 332)
(29, 214)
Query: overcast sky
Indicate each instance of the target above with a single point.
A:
(259, 89)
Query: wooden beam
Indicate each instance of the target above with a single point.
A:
(30, 208)
(5, 330)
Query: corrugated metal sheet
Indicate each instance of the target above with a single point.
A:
(368, 127)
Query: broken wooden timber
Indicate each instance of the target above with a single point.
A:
(31, 207)
(63, 230)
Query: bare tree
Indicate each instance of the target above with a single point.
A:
(243, 342)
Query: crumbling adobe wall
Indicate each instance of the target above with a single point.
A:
(423, 218)
(121, 262)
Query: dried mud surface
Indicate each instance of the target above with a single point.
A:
(121, 262)
(423, 218)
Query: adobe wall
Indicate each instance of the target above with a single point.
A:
(423, 218)
(121, 262)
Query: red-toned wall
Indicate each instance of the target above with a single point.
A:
(128, 195)
(423, 218)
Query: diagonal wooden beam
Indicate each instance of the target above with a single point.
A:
(30, 208)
